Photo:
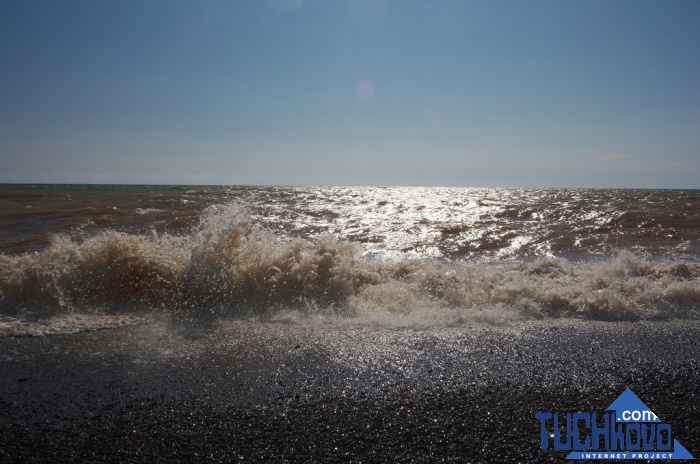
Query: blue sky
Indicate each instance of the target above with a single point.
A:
(351, 92)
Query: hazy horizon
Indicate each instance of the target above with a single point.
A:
(319, 185)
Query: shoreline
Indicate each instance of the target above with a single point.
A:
(234, 391)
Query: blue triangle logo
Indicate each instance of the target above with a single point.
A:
(679, 452)
(629, 408)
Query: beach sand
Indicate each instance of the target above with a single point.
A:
(255, 391)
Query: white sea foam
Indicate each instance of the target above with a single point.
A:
(230, 265)
(64, 324)
(148, 210)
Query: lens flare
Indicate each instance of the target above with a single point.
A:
(364, 90)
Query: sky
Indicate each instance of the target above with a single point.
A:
(495, 93)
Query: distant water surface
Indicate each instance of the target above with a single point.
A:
(76, 257)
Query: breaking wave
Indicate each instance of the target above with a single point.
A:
(231, 266)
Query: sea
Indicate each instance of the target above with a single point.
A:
(77, 258)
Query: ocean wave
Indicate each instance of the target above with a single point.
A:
(64, 324)
(230, 265)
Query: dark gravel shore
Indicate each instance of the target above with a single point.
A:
(243, 391)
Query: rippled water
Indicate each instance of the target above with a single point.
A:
(477, 225)
(372, 254)
(474, 225)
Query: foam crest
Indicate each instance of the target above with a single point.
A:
(236, 264)
(109, 269)
(230, 265)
